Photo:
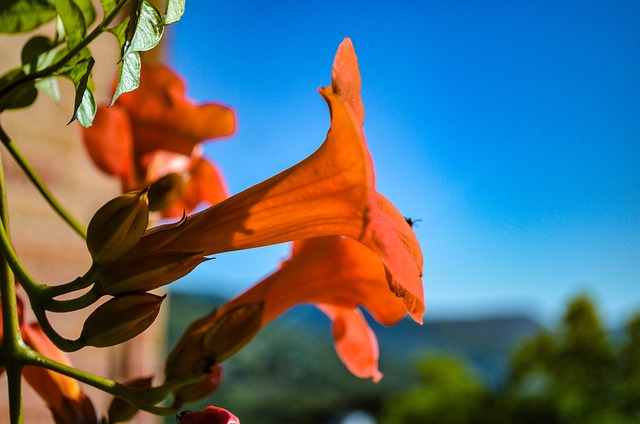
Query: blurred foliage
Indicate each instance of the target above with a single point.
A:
(575, 374)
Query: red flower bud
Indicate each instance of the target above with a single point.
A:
(209, 415)
(120, 319)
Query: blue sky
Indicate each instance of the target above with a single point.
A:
(510, 129)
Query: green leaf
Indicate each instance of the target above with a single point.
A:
(86, 109)
(49, 86)
(129, 74)
(72, 20)
(21, 95)
(24, 15)
(108, 6)
(120, 32)
(88, 11)
(174, 11)
(149, 28)
(38, 53)
(78, 70)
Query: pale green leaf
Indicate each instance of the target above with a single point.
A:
(72, 20)
(80, 76)
(24, 15)
(120, 32)
(86, 110)
(149, 28)
(49, 86)
(129, 74)
(174, 11)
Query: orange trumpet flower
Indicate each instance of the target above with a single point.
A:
(152, 136)
(354, 248)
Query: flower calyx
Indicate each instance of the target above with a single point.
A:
(118, 226)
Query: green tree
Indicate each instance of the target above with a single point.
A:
(568, 377)
(448, 393)
(628, 390)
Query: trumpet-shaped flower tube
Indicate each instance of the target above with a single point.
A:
(332, 192)
(154, 131)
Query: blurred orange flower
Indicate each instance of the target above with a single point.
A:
(153, 135)
(62, 394)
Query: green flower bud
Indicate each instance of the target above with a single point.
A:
(117, 226)
(232, 330)
(143, 273)
(120, 319)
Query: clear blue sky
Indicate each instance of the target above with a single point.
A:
(511, 129)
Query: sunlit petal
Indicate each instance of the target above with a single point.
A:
(355, 342)
(109, 142)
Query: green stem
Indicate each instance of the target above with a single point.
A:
(142, 398)
(12, 341)
(61, 343)
(79, 283)
(39, 184)
(68, 305)
(53, 68)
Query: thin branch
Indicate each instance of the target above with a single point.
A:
(39, 184)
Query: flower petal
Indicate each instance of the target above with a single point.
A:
(329, 193)
(338, 274)
(205, 184)
(355, 342)
(163, 118)
(345, 79)
(109, 142)
(329, 270)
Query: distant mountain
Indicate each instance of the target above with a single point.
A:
(485, 344)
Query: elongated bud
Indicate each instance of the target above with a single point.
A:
(188, 355)
(121, 410)
(148, 272)
(201, 389)
(117, 226)
(120, 319)
(232, 330)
